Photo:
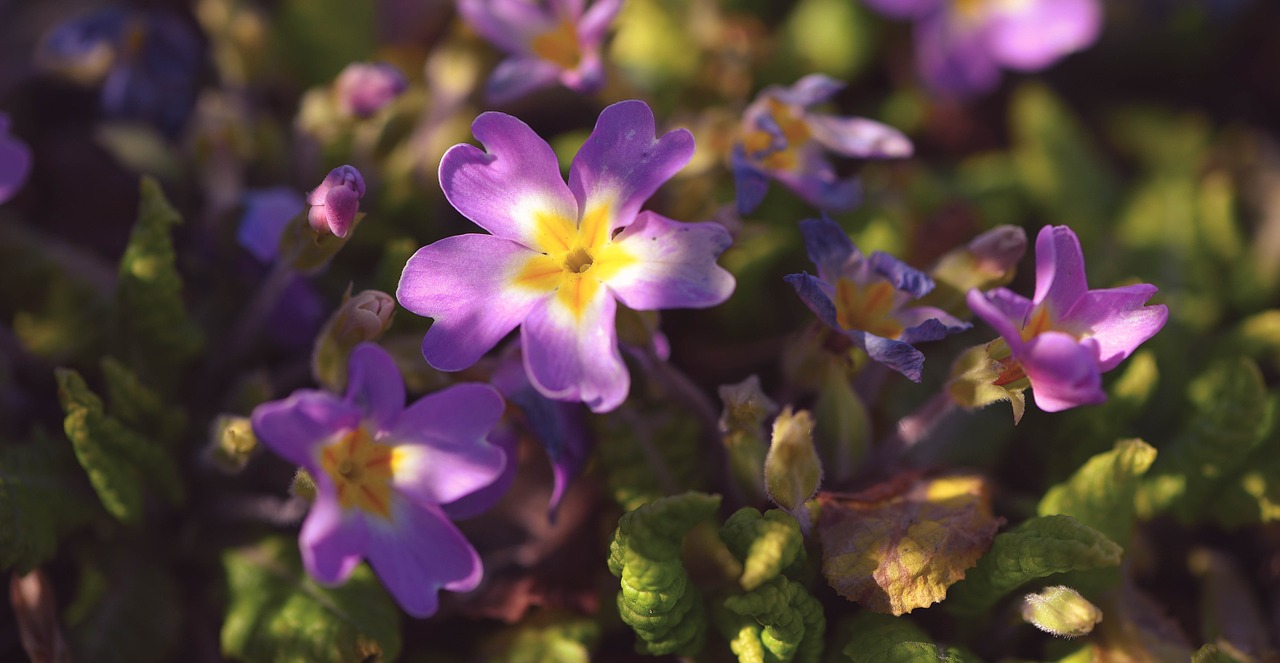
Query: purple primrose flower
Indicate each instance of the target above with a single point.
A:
(961, 45)
(560, 256)
(363, 88)
(548, 41)
(1064, 338)
(782, 139)
(15, 162)
(383, 472)
(864, 298)
(335, 202)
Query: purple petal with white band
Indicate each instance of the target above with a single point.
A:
(575, 357)
(674, 264)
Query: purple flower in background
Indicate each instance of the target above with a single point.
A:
(383, 472)
(148, 63)
(15, 162)
(266, 213)
(363, 88)
(961, 45)
(865, 297)
(783, 140)
(560, 256)
(335, 202)
(1064, 338)
(548, 41)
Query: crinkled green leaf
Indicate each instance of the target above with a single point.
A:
(1101, 493)
(550, 639)
(153, 333)
(1036, 548)
(765, 544)
(899, 545)
(277, 614)
(657, 600)
(115, 457)
(880, 638)
(1232, 414)
(127, 609)
(649, 452)
(792, 622)
(742, 632)
(38, 501)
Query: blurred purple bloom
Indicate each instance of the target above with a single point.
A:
(783, 140)
(560, 256)
(15, 162)
(1067, 336)
(363, 88)
(335, 202)
(148, 63)
(383, 472)
(864, 298)
(548, 41)
(266, 213)
(961, 45)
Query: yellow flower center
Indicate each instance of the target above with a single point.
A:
(575, 258)
(361, 470)
(559, 45)
(1040, 321)
(867, 308)
(791, 123)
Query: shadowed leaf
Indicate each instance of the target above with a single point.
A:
(884, 639)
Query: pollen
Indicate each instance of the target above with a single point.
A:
(361, 470)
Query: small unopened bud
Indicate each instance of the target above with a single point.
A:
(1061, 611)
(233, 442)
(361, 318)
(792, 470)
(742, 430)
(335, 202)
(304, 485)
(987, 261)
(364, 88)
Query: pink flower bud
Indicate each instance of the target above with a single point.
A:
(335, 202)
(364, 88)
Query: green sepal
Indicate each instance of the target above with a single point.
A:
(277, 613)
(792, 621)
(880, 638)
(1037, 548)
(974, 375)
(767, 545)
(657, 600)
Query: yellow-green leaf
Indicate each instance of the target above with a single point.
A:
(765, 544)
(880, 638)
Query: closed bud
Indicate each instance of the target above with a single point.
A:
(335, 202)
(746, 408)
(304, 485)
(1061, 611)
(997, 251)
(792, 470)
(361, 318)
(232, 443)
(987, 261)
(364, 88)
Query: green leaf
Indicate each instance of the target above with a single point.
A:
(1212, 653)
(843, 428)
(277, 614)
(880, 638)
(320, 37)
(766, 545)
(1037, 548)
(792, 622)
(126, 609)
(1232, 414)
(649, 452)
(37, 503)
(1101, 493)
(139, 406)
(554, 639)
(153, 333)
(657, 599)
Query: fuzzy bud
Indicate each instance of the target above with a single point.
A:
(792, 470)
(1061, 611)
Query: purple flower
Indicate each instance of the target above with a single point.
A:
(148, 63)
(363, 88)
(335, 202)
(1067, 336)
(266, 213)
(383, 472)
(15, 162)
(560, 255)
(782, 139)
(864, 298)
(548, 41)
(961, 45)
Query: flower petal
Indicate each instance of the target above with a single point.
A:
(670, 264)
(266, 214)
(1003, 309)
(751, 182)
(571, 349)
(332, 541)
(375, 385)
(509, 189)
(622, 163)
(809, 90)
(509, 24)
(294, 428)
(913, 9)
(1060, 279)
(418, 553)
(926, 323)
(859, 137)
(899, 356)
(953, 59)
(480, 501)
(815, 181)
(816, 294)
(465, 283)
(904, 277)
(517, 76)
(596, 20)
(1032, 35)
(1063, 371)
(829, 247)
(441, 451)
(15, 162)
(1117, 320)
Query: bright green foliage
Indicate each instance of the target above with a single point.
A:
(1101, 493)
(153, 333)
(127, 609)
(138, 406)
(1037, 548)
(1231, 419)
(766, 545)
(37, 502)
(742, 632)
(657, 599)
(115, 457)
(277, 614)
(565, 640)
(650, 453)
(792, 620)
(880, 638)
